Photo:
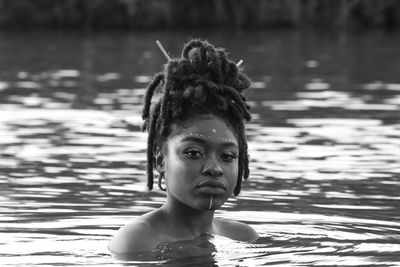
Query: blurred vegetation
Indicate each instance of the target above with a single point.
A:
(145, 14)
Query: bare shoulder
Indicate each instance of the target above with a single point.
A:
(135, 236)
(235, 230)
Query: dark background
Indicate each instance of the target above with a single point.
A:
(158, 14)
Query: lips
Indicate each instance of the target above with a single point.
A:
(212, 187)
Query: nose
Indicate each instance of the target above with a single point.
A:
(213, 169)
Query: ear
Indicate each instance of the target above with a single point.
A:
(159, 161)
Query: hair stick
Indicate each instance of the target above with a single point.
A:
(163, 50)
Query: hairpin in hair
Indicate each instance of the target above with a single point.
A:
(163, 50)
(169, 59)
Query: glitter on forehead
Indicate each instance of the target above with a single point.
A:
(213, 137)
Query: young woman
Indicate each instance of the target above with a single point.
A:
(198, 145)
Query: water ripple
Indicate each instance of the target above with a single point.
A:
(323, 147)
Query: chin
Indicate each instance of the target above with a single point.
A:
(212, 203)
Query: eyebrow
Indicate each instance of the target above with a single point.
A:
(204, 141)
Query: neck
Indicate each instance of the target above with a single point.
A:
(186, 222)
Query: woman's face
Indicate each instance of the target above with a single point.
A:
(201, 162)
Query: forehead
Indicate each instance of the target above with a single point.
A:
(205, 126)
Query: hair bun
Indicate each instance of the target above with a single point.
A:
(199, 57)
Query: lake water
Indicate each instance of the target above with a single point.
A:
(324, 146)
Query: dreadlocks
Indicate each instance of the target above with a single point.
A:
(202, 81)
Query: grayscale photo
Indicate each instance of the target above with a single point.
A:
(200, 133)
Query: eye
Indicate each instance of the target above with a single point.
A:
(193, 154)
(228, 157)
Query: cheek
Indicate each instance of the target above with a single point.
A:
(233, 169)
(178, 172)
(232, 175)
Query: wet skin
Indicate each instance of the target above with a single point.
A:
(200, 162)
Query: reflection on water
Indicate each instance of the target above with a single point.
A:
(324, 149)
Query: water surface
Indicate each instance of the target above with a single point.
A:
(324, 147)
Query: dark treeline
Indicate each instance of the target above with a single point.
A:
(145, 14)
